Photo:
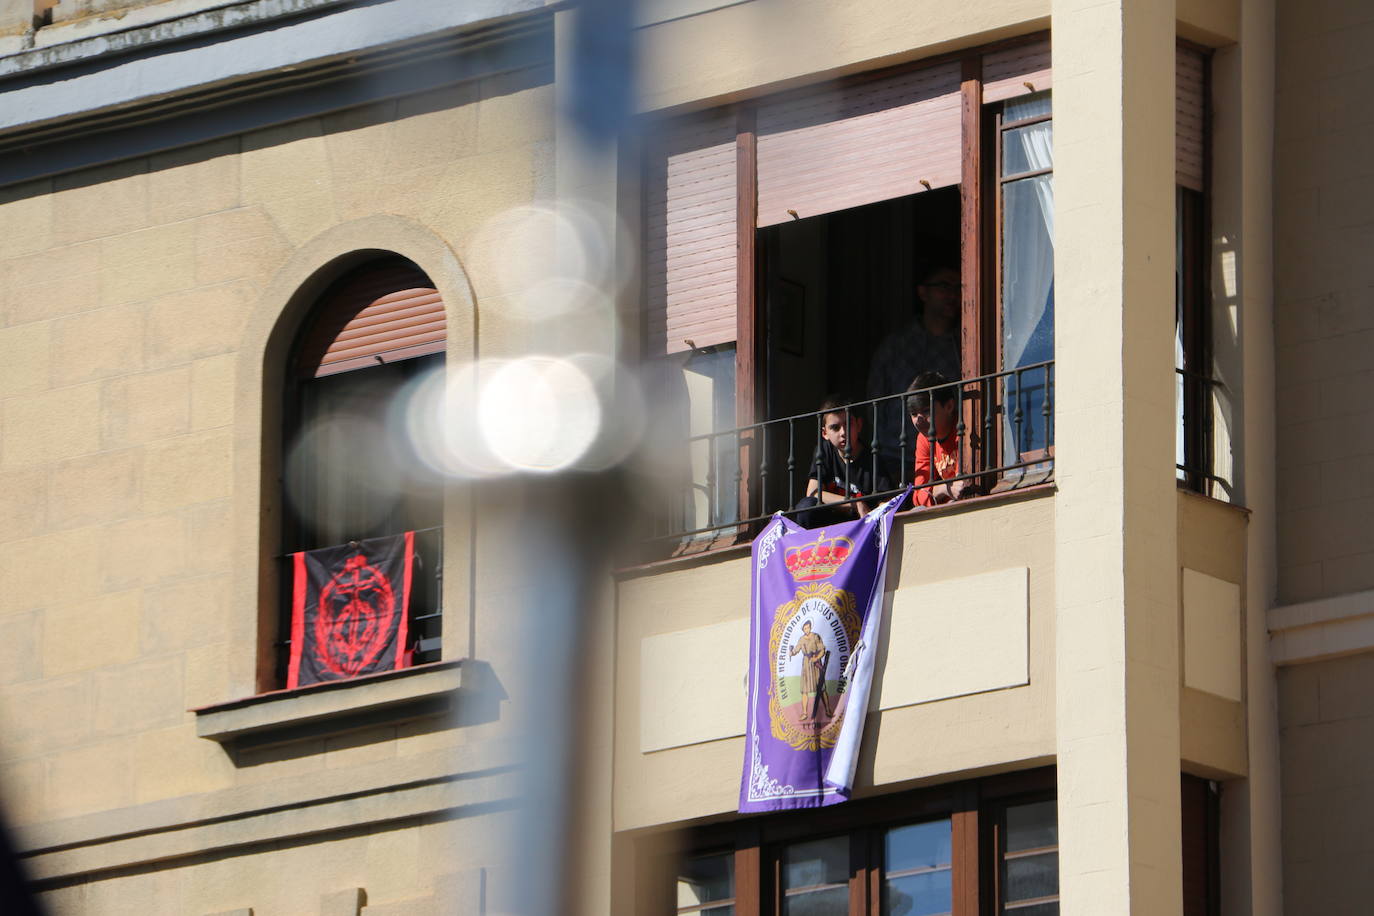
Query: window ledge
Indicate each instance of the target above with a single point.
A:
(331, 708)
(716, 554)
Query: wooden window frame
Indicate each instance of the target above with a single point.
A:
(977, 813)
(980, 238)
(995, 845)
(980, 261)
(980, 241)
(1201, 802)
(970, 807)
(989, 311)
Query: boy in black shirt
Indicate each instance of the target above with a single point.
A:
(837, 473)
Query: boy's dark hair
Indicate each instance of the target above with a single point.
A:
(836, 403)
(919, 401)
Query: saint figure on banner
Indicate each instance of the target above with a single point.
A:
(815, 658)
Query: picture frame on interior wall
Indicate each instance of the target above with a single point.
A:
(789, 312)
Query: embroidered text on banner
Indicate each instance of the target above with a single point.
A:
(349, 609)
(816, 607)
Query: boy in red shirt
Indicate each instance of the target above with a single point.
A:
(939, 412)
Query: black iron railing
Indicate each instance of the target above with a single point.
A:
(1198, 395)
(1003, 429)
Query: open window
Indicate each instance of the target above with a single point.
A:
(1199, 393)
(1025, 260)
(375, 331)
(795, 235)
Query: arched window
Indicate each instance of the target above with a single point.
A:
(349, 474)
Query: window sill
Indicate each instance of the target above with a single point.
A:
(329, 709)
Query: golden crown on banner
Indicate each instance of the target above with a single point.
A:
(819, 559)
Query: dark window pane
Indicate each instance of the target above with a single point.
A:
(917, 846)
(1032, 826)
(925, 894)
(817, 862)
(833, 901)
(1031, 876)
(706, 878)
(347, 476)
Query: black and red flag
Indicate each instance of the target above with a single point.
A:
(349, 609)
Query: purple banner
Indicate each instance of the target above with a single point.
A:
(817, 604)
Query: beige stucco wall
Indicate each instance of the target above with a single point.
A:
(940, 739)
(415, 869)
(1326, 716)
(138, 304)
(130, 304)
(1118, 657)
(1324, 325)
(766, 43)
(1324, 227)
(1212, 607)
(716, 50)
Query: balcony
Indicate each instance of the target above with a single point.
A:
(733, 480)
(966, 671)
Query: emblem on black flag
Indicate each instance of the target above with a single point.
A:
(350, 606)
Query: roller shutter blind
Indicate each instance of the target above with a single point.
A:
(1190, 115)
(689, 227)
(857, 142)
(1006, 72)
(384, 312)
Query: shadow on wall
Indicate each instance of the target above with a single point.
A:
(16, 898)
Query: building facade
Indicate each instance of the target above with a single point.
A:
(277, 275)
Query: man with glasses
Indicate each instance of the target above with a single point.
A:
(928, 343)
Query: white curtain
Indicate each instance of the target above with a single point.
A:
(1028, 240)
(1027, 274)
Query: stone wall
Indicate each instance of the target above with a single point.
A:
(1326, 717)
(124, 294)
(1324, 297)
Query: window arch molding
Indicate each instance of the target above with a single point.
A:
(264, 356)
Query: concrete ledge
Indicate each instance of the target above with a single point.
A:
(471, 792)
(1326, 628)
(303, 791)
(294, 715)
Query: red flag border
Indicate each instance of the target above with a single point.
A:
(298, 590)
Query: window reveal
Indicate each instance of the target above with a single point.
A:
(374, 332)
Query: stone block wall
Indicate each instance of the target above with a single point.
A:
(1324, 297)
(124, 292)
(1326, 720)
